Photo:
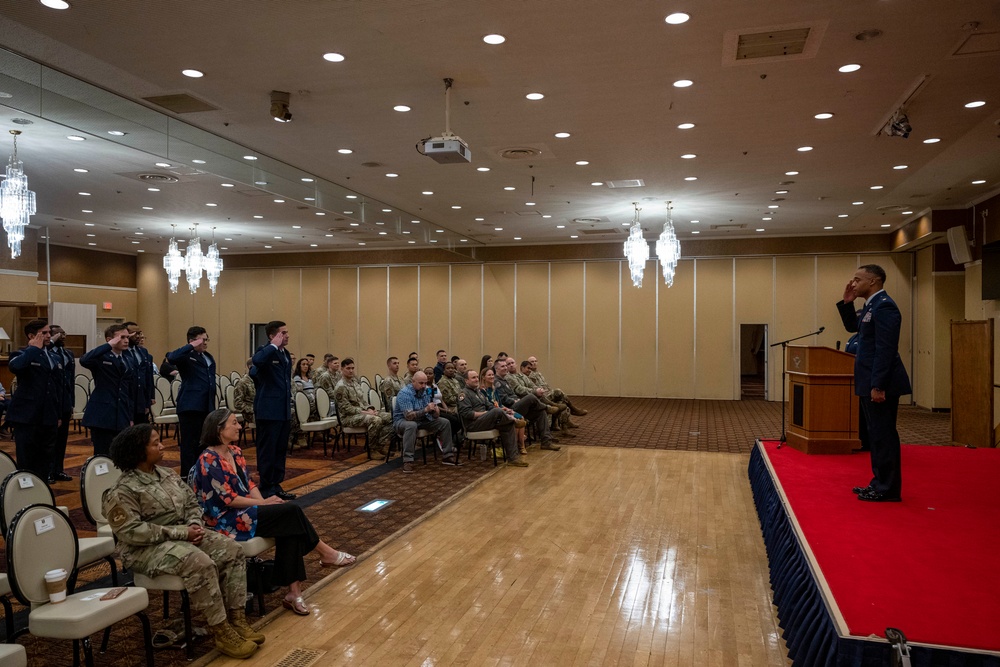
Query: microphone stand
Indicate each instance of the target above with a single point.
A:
(784, 345)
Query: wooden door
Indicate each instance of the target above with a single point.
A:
(972, 382)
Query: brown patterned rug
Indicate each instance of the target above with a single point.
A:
(332, 487)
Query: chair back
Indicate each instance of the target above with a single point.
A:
(234, 377)
(302, 407)
(163, 386)
(20, 489)
(156, 409)
(175, 389)
(231, 398)
(97, 476)
(378, 380)
(366, 382)
(323, 403)
(80, 397)
(374, 399)
(7, 465)
(41, 538)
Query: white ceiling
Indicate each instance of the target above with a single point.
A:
(606, 70)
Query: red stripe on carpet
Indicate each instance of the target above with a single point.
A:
(927, 565)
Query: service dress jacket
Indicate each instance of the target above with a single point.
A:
(877, 363)
(272, 377)
(111, 405)
(197, 371)
(39, 396)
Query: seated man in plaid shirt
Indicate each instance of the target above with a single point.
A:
(414, 410)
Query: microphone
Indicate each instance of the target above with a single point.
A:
(822, 329)
(838, 344)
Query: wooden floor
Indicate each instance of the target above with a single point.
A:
(591, 556)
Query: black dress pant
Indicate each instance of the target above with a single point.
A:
(272, 448)
(101, 439)
(57, 454)
(32, 443)
(189, 424)
(884, 438)
(294, 537)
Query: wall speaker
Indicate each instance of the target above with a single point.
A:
(958, 243)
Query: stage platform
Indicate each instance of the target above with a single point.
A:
(843, 570)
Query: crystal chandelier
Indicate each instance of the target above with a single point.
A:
(17, 202)
(173, 262)
(636, 249)
(213, 264)
(193, 264)
(668, 248)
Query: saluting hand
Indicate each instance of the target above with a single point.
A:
(849, 295)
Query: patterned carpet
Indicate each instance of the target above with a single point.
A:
(332, 487)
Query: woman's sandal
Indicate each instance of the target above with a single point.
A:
(297, 606)
(343, 559)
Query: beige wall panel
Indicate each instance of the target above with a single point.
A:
(434, 308)
(371, 352)
(205, 309)
(181, 309)
(286, 295)
(754, 290)
(123, 302)
(314, 336)
(153, 307)
(20, 290)
(675, 376)
(832, 274)
(233, 334)
(715, 347)
(563, 363)
(403, 316)
(259, 295)
(466, 312)
(922, 377)
(949, 299)
(498, 298)
(532, 321)
(343, 312)
(795, 310)
(602, 375)
(638, 332)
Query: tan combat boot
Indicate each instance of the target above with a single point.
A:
(238, 619)
(230, 642)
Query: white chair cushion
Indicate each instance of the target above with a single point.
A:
(13, 655)
(164, 582)
(94, 548)
(4, 586)
(483, 435)
(104, 530)
(83, 614)
(256, 546)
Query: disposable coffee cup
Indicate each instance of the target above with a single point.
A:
(55, 585)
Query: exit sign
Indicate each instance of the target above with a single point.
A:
(107, 305)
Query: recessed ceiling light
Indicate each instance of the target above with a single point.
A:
(907, 212)
(823, 116)
(695, 231)
(135, 243)
(91, 235)
(278, 238)
(309, 199)
(804, 149)
(91, 244)
(885, 225)
(153, 189)
(480, 219)
(260, 182)
(307, 180)
(791, 173)
(690, 178)
(772, 206)
(296, 226)
(116, 133)
(87, 210)
(517, 238)
(598, 183)
(88, 224)
(198, 161)
(560, 226)
(411, 241)
(333, 57)
(677, 18)
(351, 196)
(361, 242)
(344, 151)
(433, 241)
(387, 210)
(498, 229)
(81, 171)
(141, 250)
(348, 212)
(279, 201)
(932, 140)
(258, 217)
(683, 83)
(320, 213)
(211, 204)
(685, 126)
(876, 187)
(562, 135)
(582, 163)
(85, 194)
(494, 39)
(75, 137)
(695, 222)
(227, 239)
(163, 165)
(456, 207)
(534, 97)
(354, 224)
(192, 73)
(765, 218)
(328, 235)
(415, 222)
(464, 240)
(828, 228)
(853, 67)
(529, 203)
(250, 157)
(689, 156)
(574, 236)
(842, 215)
(546, 216)
(313, 245)
(508, 187)
(978, 182)
(901, 166)
(382, 233)
(147, 208)
(391, 175)
(406, 231)
(427, 192)
(402, 108)
(55, 4)
(857, 203)
(781, 192)
(760, 229)
(268, 247)
(975, 105)
(228, 185)
(482, 168)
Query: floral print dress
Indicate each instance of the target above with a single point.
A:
(216, 484)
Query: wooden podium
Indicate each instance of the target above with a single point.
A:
(823, 410)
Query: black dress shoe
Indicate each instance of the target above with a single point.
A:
(861, 449)
(62, 477)
(873, 496)
(285, 495)
(861, 489)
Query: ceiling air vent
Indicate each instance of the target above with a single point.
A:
(589, 221)
(891, 208)
(627, 183)
(613, 230)
(978, 44)
(158, 178)
(728, 228)
(182, 103)
(372, 165)
(519, 153)
(772, 43)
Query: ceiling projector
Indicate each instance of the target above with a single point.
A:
(448, 149)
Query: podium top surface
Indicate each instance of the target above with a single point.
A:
(818, 360)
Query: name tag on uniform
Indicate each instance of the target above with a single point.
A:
(867, 317)
(35, 363)
(107, 363)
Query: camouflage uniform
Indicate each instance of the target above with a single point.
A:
(243, 395)
(150, 514)
(529, 383)
(471, 401)
(391, 385)
(450, 390)
(555, 394)
(352, 399)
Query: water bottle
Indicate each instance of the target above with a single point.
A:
(482, 451)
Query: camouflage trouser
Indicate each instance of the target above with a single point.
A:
(379, 428)
(214, 572)
(562, 418)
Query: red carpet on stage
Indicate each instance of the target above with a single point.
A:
(929, 565)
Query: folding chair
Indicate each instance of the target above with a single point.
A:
(97, 476)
